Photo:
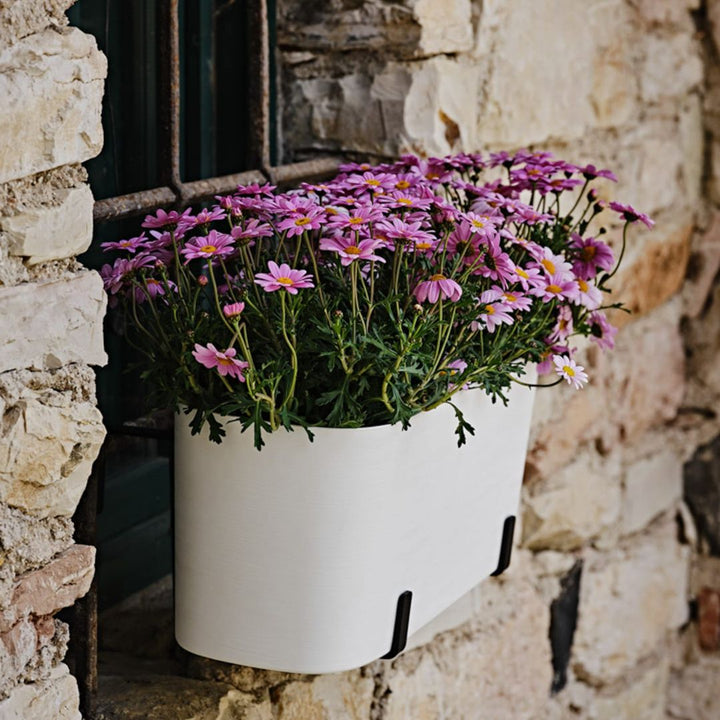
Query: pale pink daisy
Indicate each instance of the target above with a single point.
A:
(283, 277)
(569, 370)
(588, 295)
(214, 244)
(349, 249)
(514, 299)
(225, 361)
(564, 325)
(233, 309)
(436, 287)
(553, 265)
(299, 222)
(491, 312)
(556, 288)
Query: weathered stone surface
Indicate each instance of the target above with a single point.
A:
(30, 650)
(56, 585)
(651, 486)
(46, 453)
(654, 271)
(593, 84)
(446, 27)
(51, 84)
(573, 506)
(701, 490)
(629, 599)
(458, 679)
(671, 12)
(19, 18)
(53, 699)
(47, 325)
(692, 693)
(703, 267)
(52, 233)
(672, 66)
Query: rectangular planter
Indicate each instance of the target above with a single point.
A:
(322, 557)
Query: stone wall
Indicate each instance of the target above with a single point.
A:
(51, 311)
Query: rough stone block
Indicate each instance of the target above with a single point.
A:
(593, 84)
(574, 505)
(47, 325)
(666, 12)
(19, 18)
(343, 695)
(52, 233)
(46, 454)
(53, 699)
(445, 25)
(55, 586)
(651, 486)
(654, 270)
(52, 85)
(629, 599)
(693, 690)
(703, 266)
(671, 68)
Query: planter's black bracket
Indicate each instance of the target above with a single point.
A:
(402, 622)
(505, 545)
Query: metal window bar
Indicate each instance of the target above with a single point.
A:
(175, 192)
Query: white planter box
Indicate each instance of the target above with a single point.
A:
(295, 558)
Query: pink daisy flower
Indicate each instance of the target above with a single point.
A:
(557, 287)
(602, 332)
(283, 277)
(164, 219)
(588, 295)
(592, 255)
(300, 222)
(214, 244)
(225, 361)
(131, 245)
(569, 370)
(563, 327)
(491, 312)
(553, 265)
(438, 286)
(350, 250)
(233, 310)
(630, 214)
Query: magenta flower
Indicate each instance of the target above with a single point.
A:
(569, 370)
(514, 299)
(164, 219)
(349, 250)
(491, 312)
(131, 245)
(563, 327)
(528, 277)
(437, 287)
(494, 263)
(590, 172)
(356, 218)
(204, 217)
(592, 256)
(283, 277)
(630, 214)
(251, 229)
(299, 222)
(215, 244)
(404, 233)
(225, 361)
(233, 310)
(602, 332)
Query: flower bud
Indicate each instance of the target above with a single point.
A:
(202, 280)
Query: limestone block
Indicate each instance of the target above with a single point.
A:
(19, 18)
(52, 85)
(46, 454)
(693, 690)
(653, 269)
(530, 94)
(52, 233)
(629, 599)
(671, 67)
(55, 586)
(47, 325)
(459, 677)
(574, 505)
(53, 699)
(445, 25)
(670, 12)
(342, 695)
(693, 148)
(651, 486)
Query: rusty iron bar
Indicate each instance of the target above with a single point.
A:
(259, 89)
(125, 206)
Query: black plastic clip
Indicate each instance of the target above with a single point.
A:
(402, 622)
(505, 545)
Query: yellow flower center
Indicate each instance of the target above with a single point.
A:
(352, 250)
(302, 221)
(405, 201)
(521, 273)
(489, 309)
(583, 285)
(402, 185)
(568, 370)
(549, 265)
(285, 280)
(208, 249)
(588, 253)
(554, 289)
(224, 361)
(423, 245)
(356, 221)
(436, 278)
(509, 297)
(431, 176)
(479, 223)
(372, 182)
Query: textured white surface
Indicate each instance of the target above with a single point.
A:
(293, 558)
